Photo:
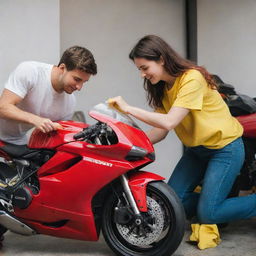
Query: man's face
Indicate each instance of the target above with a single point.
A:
(70, 81)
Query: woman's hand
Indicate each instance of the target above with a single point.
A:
(119, 103)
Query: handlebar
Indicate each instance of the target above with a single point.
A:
(84, 133)
(99, 134)
(79, 135)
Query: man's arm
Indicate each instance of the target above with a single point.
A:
(9, 110)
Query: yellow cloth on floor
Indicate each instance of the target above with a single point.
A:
(206, 235)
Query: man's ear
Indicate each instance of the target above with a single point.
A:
(62, 66)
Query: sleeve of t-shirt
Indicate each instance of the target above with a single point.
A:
(21, 80)
(190, 94)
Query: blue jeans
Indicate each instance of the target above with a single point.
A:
(216, 170)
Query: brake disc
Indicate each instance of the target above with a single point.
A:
(156, 212)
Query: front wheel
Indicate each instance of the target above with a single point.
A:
(161, 229)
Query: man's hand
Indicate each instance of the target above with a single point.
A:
(45, 125)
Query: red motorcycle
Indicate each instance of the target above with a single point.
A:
(82, 179)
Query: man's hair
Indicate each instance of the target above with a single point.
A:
(77, 57)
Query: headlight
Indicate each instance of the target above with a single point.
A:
(136, 153)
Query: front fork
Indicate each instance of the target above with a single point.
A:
(129, 195)
(135, 188)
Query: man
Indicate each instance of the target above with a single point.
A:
(38, 94)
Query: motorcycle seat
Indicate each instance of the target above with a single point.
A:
(18, 151)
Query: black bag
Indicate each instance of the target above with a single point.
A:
(223, 88)
(239, 104)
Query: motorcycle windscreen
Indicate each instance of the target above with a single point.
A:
(105, 109)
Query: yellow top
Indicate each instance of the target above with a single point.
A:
(209, 122)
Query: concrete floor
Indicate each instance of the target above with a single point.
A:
(237, 239)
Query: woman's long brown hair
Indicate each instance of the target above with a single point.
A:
(152, 47)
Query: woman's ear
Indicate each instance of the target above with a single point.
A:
(161, 61)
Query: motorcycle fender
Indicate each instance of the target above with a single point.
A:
(138, 184)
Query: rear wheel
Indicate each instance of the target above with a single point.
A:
(160, 230)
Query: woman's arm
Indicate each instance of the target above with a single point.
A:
(156, 134)
(164, 121)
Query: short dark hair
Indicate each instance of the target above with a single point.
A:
(77, 57)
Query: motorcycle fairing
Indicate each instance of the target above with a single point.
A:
(54, 139)
(56, 200)
(126, 133)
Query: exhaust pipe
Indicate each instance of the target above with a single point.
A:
(15, 225)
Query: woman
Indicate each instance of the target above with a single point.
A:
(185, 99)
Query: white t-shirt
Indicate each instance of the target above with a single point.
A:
(32, 81)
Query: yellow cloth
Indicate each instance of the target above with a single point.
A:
(209, 122)
(206, 235)
(198, 189)
(114, 105)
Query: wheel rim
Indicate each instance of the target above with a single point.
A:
(155, 212)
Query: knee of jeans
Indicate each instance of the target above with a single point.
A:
(205, 215)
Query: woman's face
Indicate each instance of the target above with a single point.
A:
(151, 70)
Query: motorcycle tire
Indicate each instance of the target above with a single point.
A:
(163, 206)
